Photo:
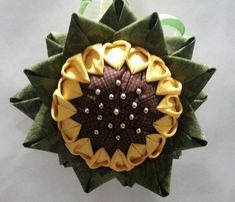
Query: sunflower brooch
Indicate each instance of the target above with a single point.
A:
(116, 99)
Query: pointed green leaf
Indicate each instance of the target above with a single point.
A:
(55, 43)
(84, 32)
(199, 100)
(44, 134)
(99, 177)
(180, 46)
(184, 70)
(49, 68)
(146, 33)
(44, 77)
(194, 87)
(189, 134)
(90, 179)
(125, 181)
(154, 174)
(44, 87)
(27, 101)
(118, 15)
(64, 160)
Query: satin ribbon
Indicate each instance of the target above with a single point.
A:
(166, 19)
(170, 20)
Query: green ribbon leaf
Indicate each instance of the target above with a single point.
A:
(125, 181)
(90, 179)
(27, 101)
(44, 77)
(44, 134)
(180, 46)
(83, 33)
(189, 134)
(146, 33)
(194, 87)
(118, 15)
(199, 100)
(153, 174)
(184, 70)
(55, 43)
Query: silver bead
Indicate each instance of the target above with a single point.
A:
(99, 117)
(111, 97)
(134, 105)
(101, 105)
(138, 131)
(118, 137)
(98, 91)
(123, 96)
(116, 112)
(138, 91)
(118, 83)
(131, 117)
(110, 125)
(87, 110)
(146, 110)
(123, 125)
(96, 132)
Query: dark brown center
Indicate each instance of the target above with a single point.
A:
(117, 109)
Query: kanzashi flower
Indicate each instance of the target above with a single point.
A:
(109, 101)
(122, 96)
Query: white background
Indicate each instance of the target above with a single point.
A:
(204, 174)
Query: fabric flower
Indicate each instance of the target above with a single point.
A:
(73, 99)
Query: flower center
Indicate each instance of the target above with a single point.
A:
(117, 109)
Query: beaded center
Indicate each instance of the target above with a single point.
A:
(117, 109)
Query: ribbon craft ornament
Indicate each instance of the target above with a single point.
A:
(116, 99)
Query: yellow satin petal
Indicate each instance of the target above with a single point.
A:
(136, 154)
(81, 147)
(93, 59)
(75, 69)
(171, 105)
(115, 53)
(138, 59)
(119, 162)
(166, 126)
(69, 89)
(61, 108)
(101, 158)
(70, 130)
(157, 70)
(154, 145)
(169, 86)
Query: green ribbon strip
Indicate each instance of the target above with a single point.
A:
(166, 19)
(83, 6)
(170, 20)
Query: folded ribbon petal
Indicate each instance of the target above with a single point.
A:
(166, 126)
(138, 59)
(157, 70)
(137, 153)
(119, 162)
(93, 59)
(101, 158)
(70, 130)
(61, 108)
(75, 69)
(81, 147)
(69, 89)
(169, 86)
(154, 145)
(115, 53)
(171, 105)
